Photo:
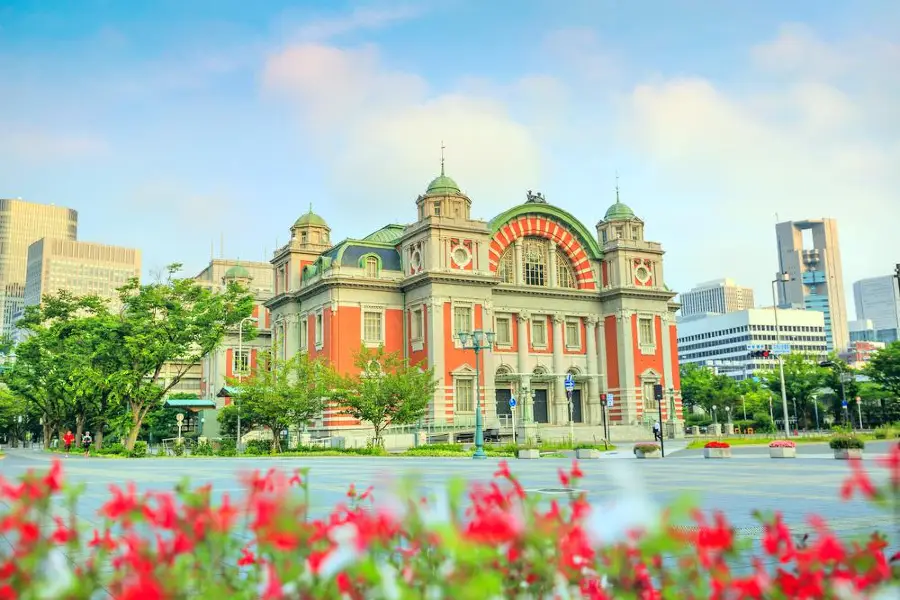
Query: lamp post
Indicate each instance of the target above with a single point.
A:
(715, 422)
(477, 340)
(240, 366)
(781, 278)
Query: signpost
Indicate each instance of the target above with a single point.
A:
(179, 419)
(512, 410)
(605, 411)
(859, 410)
(570, 387)
(658, 396)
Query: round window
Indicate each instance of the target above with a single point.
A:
(461, 255)
(416, 260)
(642, 274)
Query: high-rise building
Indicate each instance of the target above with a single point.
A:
(719, 296)
(21, 224)
(722, 342)
(82, 268)
(877, 300)
(810, 253)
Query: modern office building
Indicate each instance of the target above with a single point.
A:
(809, 251)
(560, 299)
(21, 224)
(862, 330)
(718, 296)
(722, 341)
(82, 268)
(877, 300)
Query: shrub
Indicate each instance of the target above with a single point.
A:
(227, 448)
(178, 448)
(258, 447)
(509, 545)
(112, 449)
(139, 450)
(715, 444)
(782, 444)
(846, 442)
(763, 423)
(203, 449)
(888, 432)
(646, 448)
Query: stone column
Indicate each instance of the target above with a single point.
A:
(520, 276)
(559, 390)
(489, 392)
(522, 320)
(434, 323)
(627, 376)
(551, 264)
(593, 412)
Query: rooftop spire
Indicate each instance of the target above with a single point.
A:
(442, 158)
(310, 208)
(617, 187)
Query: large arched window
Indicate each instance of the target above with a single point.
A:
(534, 262)
(536, 265)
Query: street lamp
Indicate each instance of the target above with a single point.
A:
(477, 340)
(714, 414)
(241, 367)
(781, 278)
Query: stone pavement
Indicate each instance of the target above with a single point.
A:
(751, 481)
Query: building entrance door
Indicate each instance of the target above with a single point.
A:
(577, 408)
(504, 412)
(541, 414)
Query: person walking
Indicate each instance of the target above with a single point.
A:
(86, 441)
(657, 434)
(68, 440)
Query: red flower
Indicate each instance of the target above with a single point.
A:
(247, 557)
(62, 534)
(122, 503)
(106, 542)
(892, 463)
(858, 481)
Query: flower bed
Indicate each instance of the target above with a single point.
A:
(782, 449)
(847, 447)
(716, 449)
(647, 451)
(782, 444)
(502, 543)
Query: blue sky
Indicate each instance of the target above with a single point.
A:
(171, 124)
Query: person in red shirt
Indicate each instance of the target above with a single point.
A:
(68, 440)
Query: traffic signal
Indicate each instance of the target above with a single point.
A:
(657, 392)
(760, 353)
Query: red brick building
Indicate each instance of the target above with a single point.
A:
(559, 298)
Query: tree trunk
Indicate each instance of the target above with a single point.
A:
(79, 427)
(138, 413)
(276, 442)
(98, 438)
(46, 429)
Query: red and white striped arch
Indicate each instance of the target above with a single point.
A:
(539, 226)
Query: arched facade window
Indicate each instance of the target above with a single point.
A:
(535, 265)
(371, 267)
(565, 274)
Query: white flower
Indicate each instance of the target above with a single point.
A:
(632, 510)
(389, 588)
(346, 553)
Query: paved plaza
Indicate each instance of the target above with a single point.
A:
(749, 481)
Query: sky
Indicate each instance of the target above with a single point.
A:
(171, 125)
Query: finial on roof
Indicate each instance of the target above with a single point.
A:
(310, 208)
(442, 158)
(617, 187)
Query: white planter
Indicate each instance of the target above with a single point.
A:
(587, 453)
(782, 453)
(849, 454)
(529, 453)
(717, 453)
(656, 454)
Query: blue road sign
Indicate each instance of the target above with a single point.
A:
(781, 349)
(756, 379)
(570, 382)
(512, 402)
(844, 404)
(609, 400)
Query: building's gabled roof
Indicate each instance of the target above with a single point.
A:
(190, 403)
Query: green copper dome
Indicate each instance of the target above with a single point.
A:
(237, 272)
(442, 186)
(310, 218)
(618, 212)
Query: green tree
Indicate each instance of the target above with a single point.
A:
(884, 369)
(175, 321)
(388, 391)
(12, 408)
(803, 378)
(280, 394)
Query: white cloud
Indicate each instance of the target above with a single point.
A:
(26, 145)
(810, 133)
(362, 18)
(380, 132)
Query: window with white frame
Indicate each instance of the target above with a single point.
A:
(645, 331)
(534, 262)
(503, 331)
(373, 326)
(417, 326)
(650, 402)
(371, 266)
(465, 395)
(539, 331)
(573, 333)
(304, 330)
(241, 362)
(506, 268)
(565, 274)
(320, 328)
(462, 319)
